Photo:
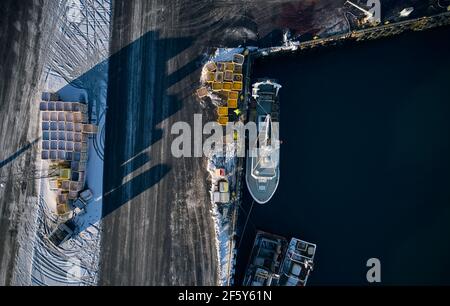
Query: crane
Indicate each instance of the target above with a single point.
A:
(370, 16)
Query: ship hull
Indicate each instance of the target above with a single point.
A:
(263, 170)
(253, 186)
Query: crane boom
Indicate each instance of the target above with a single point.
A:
(369, 14)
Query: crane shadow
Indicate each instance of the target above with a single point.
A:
(18, 153)
(138, 100)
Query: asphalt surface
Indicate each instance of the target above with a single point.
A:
(24, 29)
(158, 228)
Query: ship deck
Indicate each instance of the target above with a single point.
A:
(261, 192)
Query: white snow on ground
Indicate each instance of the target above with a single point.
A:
(94, 179)
(74, 263)
(26, 238)
(226, 54)
(223, 213)
(222, 244)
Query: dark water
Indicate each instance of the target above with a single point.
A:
(365, 160)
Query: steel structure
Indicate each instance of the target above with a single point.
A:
(371, 33)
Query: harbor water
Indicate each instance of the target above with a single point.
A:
(365, 169)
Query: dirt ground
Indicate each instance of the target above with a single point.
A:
(158, 228)
(25, 28)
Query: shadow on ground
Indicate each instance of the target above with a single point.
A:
(137, 102)
(17, 154)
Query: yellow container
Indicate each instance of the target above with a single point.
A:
(217, 86)
(65, 185)
(237, 86)
(210, 77)
(64, 174)
(237, 68)
(220, 66)
(61, 199)
(222, 111)
(219, 76)
(229, 66)
(238, 77)
(227, 86)
(211, 66)
(56, 184)
(228, 76)
(62, 209)
(233, 95)
(238, 59)
(223, 95)
(202, 92)
(232, 103)
(224, 187)
(223, 120)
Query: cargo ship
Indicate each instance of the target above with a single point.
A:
(263, 158)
